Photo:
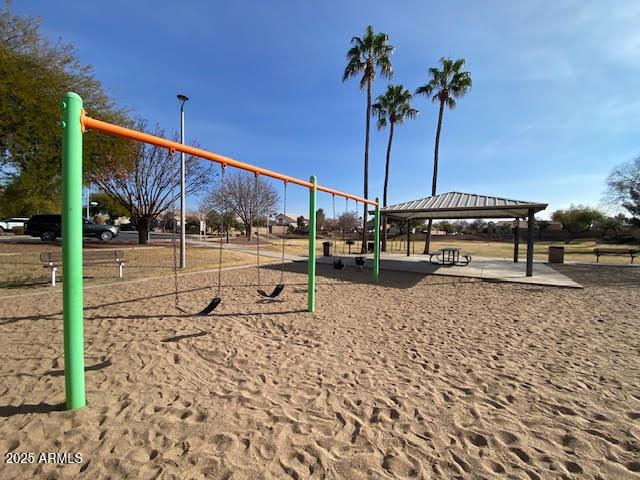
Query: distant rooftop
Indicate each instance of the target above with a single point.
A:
(454, 205)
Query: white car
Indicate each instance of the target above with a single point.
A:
(11, 223)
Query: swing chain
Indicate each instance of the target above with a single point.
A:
(284, 235)
(175, 248)
(335, 223)
(175, 266)
(223, 169)
(346, 208)
(257, 217)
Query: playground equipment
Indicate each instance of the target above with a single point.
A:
(75, 122)
(280, 286)
(337, 264)
(217, 299)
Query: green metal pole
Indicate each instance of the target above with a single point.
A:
(312, 246)
(72, 251)
(376, 243)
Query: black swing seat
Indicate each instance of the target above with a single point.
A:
(276, 291)
(360, 261)
(338, 264)
(209, 308)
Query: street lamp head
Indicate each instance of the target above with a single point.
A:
(182, 99)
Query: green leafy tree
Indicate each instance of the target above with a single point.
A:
(477, 225)
(623, 188)
(445, 87)
(107, 204)
(215, 220)
(34, 75)
(192, 223)
(222, 222)
(367, 54)
(446, 227)
(542, 226)
(578, 218)
(611, 226)
(392, 108)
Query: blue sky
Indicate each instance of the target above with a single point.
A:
(554, 106)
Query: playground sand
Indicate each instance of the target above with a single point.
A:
(414, 378)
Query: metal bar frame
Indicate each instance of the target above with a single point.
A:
(75, 123)
(311, 277)
(72, 283)
(89, 123)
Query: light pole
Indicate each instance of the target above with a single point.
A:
(183, 250)
(270, 219)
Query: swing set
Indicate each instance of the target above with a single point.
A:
(255, 213)
(75, 122)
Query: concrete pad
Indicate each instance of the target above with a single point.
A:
(493, 269)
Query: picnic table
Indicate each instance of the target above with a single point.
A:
(450, 256)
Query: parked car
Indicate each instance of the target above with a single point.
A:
(49, 227)
(11, 223)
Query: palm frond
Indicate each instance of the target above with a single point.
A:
(369, 53)
(448, 83)
(424, 89)
(354, 66)
(394, 105)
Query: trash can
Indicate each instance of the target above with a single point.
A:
(556, 254)
(326, 248)
(370, 247)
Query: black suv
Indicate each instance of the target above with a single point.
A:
(49, 227)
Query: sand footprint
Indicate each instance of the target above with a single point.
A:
(521, 454)
(569, 441)
(478, 440)
(507, 438)
(573, 467)
(399, 466)
(496, 467)
(633, 466)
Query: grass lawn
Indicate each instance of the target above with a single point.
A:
(575, 251)
(23, 269)
(20, 265)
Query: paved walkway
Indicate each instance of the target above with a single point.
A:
(495, 269)
(480, 267)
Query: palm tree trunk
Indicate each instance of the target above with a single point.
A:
(427, 242)
(366, 168)
(386, 184)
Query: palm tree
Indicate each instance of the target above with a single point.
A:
(444, 87)
(392, 108)
(367, 53)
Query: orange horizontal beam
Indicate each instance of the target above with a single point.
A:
(89, 123)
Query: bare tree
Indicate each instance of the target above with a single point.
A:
(146, 183)
(248, 198)
(348, 222)
(623, 188)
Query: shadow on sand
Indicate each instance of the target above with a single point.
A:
(10, 410)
